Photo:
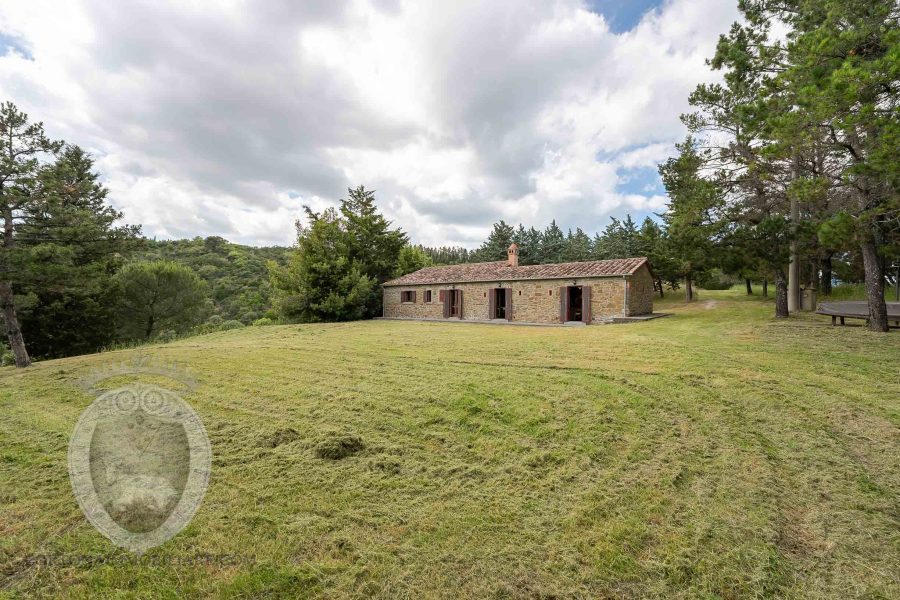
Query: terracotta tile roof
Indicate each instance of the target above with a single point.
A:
(501, 271)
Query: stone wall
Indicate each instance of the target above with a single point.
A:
(641, 292)
(417, 310)
(533, 301)
(607, 298)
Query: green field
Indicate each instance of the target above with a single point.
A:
(716, 453)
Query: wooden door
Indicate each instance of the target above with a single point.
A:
(586, 304)
(563, 304)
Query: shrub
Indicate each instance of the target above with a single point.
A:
(716, 280)
(6, 356)
(167, 336)
(248, 317)
(263, 322)
(231, 324)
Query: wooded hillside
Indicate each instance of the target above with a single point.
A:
(237, 275)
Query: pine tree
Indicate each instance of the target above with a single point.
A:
(73, 248)
(654, 245)
(22, 148)
(553, 245)
(620, 239)
(688, 217)
(496, 245)
(529, 242)
(372, 245)
(159, 296)
(578, 246)
(321, 282)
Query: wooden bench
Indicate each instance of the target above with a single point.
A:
(856, 310)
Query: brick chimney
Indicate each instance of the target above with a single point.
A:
(513, 254)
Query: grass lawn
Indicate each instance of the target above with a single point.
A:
(716, 453)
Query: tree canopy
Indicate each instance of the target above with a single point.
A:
(60, 244)
(159, 296)
(802, 140)
(322, 280)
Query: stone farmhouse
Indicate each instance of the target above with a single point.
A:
(589, 292)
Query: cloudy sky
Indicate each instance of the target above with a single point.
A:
(224, 118)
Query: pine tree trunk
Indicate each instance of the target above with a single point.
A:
(7, 298)
(826, 276)
(659, 282)
(688, 289)
(878, 320)
(765, 287)
(11, 321)
(749, 286)
(149, 329)
(781, 295)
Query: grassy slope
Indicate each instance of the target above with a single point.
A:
(715, 453)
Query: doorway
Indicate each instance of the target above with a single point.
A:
(499, 303)
(455, 303)
(575, 310)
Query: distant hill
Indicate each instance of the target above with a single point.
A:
(237, 275)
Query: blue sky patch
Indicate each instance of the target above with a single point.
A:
(10, 43)
(643, 181)
(622, 15)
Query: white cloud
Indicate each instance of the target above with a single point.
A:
(645, 156)
(223, 119)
